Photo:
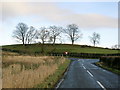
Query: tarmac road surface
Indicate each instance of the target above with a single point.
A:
(82, 73)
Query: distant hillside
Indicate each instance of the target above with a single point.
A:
(60, 48)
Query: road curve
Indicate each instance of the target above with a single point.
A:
(83, 73)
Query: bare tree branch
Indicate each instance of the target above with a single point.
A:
(31, 34)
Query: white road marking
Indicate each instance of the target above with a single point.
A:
(101, 85)
(84, 67)
(59, 83)
(90, 73)
(93, 65)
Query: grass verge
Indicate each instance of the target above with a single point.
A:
(100, 64)
(52, 80)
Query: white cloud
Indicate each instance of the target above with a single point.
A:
(52, 12)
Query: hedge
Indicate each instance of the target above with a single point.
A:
(111, 61)
(83, 55)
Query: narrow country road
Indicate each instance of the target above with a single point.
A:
(83, 73)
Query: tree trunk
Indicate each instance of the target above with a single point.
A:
(72, 42)
(23, 42)
(42, 48)
(54, 41)
(94, 43)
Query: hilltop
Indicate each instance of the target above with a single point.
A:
(59, 48)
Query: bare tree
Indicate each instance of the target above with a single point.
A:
(116, 46)
(95, 38)
(31, 35)
(20, 32)
(54, 33)
(73, 32)
(43, 35)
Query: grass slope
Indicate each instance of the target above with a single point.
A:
(48, 48)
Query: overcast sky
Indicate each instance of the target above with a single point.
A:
(99, 17)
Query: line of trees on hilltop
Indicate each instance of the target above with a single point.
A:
(27, 35)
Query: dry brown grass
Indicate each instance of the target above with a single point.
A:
(14, 77)
(28, 59)
(9, 53)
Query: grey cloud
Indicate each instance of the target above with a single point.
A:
(93, 20)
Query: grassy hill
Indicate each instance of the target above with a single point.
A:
(60, 48)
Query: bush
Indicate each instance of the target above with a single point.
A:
(111, 61)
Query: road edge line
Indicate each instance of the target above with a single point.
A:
(62, 79)
(59, 83)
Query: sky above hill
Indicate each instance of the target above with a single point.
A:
(99, 17)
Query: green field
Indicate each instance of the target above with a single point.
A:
(59, 48)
